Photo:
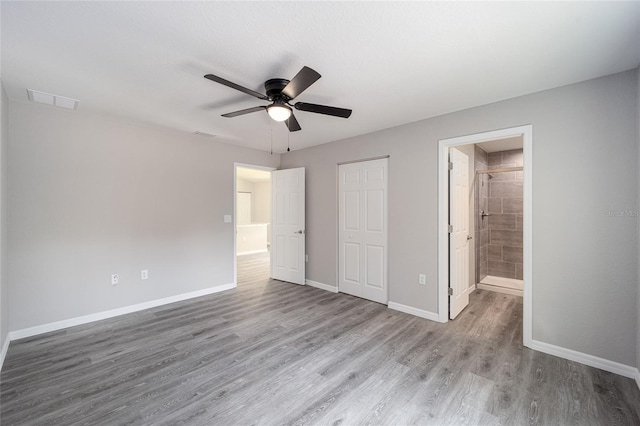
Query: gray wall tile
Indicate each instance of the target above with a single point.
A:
(502, 221)
(505, 189)
(504, 237)
(511, 254)
(512, 205)
(494, 252)
(495, 159)
(495, 205)
(512, 158)
(503, 176)
(501, 269)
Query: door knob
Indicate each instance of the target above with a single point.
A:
(300, 231)
(469, 237)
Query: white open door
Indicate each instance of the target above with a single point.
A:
(288, 225)
(362, 232)
(459, 235)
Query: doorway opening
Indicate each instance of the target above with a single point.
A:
(252, 223)
(496, 223)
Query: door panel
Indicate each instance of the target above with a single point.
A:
(362, 232)
(288, 229)
(375, 270)
(352, 210)
(352, 262)
(375, 210)
(459, 238)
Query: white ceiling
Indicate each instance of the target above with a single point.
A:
(504, 144)
(391, 62)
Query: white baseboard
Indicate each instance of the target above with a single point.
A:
(586, 359)
(59, 325)
(413, 311)
(327, 287)
(5, 348)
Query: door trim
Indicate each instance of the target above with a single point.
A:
(235, 213)
(526, 132)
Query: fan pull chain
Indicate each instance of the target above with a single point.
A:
(288, 134)
(271, 139)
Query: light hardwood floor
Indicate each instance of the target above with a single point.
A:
(271, 353)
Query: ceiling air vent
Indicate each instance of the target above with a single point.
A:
(54, 100)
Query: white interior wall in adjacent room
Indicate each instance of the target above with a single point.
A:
(262, 202)
(91, 195)
(244, 185)
(262, 205)
(585, 164)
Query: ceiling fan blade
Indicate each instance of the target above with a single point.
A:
(235, 86)
(292, 123)
(244, 111)
(305, 78)
(323, 109)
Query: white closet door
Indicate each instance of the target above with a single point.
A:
(362, 235)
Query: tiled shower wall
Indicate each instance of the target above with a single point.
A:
(481, 203)
(503, 228)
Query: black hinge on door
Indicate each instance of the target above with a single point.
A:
(450, 165)
(450, 291)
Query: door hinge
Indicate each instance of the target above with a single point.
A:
(450, 291)
(451, 229)
(450, 165)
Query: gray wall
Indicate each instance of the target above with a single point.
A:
(91, 195)
(4, 137)
(638, 207)
(584, 259)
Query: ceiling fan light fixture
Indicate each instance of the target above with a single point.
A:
(279, 112)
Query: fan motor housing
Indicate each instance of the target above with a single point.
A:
(274, 87)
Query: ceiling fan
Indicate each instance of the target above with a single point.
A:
(279, 92)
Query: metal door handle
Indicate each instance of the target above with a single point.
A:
(469, 237)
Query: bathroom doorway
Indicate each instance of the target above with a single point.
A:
(252, 223)
(498, 213)
(499, 222)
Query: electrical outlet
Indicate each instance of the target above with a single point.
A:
(115, 279)
(144, 274)
(422, 279)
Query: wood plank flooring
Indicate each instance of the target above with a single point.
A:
(272, 353)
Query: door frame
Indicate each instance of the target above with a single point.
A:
(526, 131)
(235, 213)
